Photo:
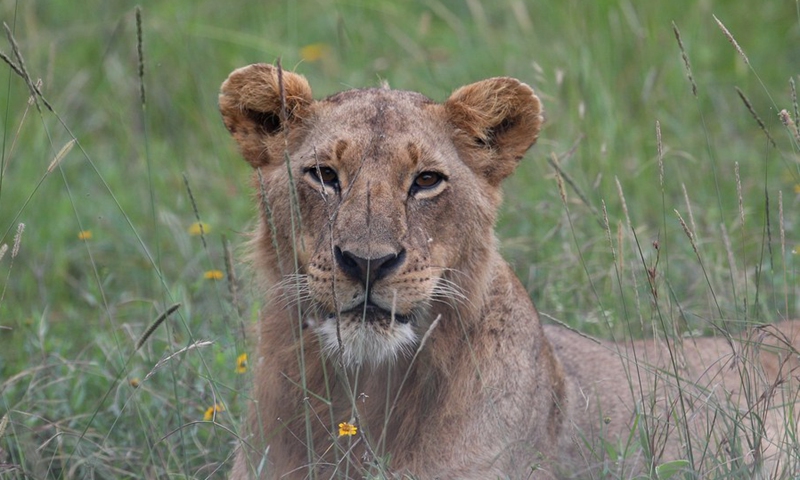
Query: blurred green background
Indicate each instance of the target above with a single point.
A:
(76, 395)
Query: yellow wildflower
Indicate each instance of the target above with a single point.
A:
(213, 275)
(797, 188)
(347, 429)
(85, 235)
(314, 52)
(241, 363)
(212, 411)
(199, 228)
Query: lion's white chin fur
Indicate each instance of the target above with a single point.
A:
(365, 343)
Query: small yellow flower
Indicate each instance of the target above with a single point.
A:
(347, 429)
(314, 52)
(213, 275)
(199, 228)
(85, 235)
(241, 363)
(212, 411)
(797, 188)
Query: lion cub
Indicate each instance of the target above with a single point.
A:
(391, 311)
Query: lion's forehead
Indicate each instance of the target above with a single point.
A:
(387, 131)
(380, 158)
(377, 112)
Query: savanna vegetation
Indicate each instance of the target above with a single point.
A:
(662, 197)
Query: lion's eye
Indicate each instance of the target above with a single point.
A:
(325, 175)
(427, 180)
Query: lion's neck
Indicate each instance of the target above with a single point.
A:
(396, 404)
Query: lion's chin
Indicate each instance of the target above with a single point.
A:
(365, 341)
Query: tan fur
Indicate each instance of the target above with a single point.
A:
(448, 373)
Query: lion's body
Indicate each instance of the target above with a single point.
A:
(392, 309)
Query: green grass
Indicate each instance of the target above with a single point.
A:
(72, 310)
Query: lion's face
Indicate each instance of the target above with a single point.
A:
(377, 205)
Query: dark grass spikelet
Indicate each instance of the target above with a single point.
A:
(553, 161)
(685, 58)
(660, 150)
(231, 274)
(196, 212)
(749, 106)
(156, 323)
(794, 100)
(20, 69)
(769, 228)
(11, 64)
(140, 52)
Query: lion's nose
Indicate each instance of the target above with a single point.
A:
(368, 270)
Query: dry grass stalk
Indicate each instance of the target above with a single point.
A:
(787, 121)
(17, 240)
(155, 324)
(782, 226)
(794, 99)
(3, 250)
(769, 228)
(166, 359)
(607, 228)
(621, 251)
(739, 192)
(685, 58)
(3, 424)
(688, 233)
(624, 203)
(11, 150)
(60, 155)
(755, 115)
(732, 40)
(689, 207)
(726, 240)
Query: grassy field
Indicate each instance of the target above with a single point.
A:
(100, 187)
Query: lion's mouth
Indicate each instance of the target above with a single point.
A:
(367, 333)
(368, 312)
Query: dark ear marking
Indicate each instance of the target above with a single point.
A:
(489, 138)
(268, 122)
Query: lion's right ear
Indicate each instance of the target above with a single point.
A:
(256, 112)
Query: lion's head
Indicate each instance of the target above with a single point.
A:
(377, 205)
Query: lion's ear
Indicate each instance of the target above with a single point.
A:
(255, 111)
(499, 119)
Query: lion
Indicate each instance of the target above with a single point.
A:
(392, 315)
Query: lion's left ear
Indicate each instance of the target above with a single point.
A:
(499, 119)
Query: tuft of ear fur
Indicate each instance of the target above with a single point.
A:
(256, 111)
(499, 120)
